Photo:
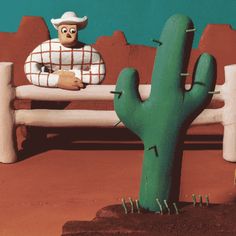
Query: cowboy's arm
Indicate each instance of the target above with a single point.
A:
(95, 72)
(33, 70)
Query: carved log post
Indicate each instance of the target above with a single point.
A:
(7, 126)
(229, 115)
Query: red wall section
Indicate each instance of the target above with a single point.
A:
(15, 47)
(218, 40)
(118, 54)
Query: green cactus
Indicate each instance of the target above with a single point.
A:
(162, 119)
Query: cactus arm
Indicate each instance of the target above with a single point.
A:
(204, 78)
(129, 103)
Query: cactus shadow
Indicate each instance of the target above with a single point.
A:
(181, 146)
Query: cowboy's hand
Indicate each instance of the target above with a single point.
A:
(67, 80)
(81, 84)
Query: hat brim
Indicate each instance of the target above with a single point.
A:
(81, 22)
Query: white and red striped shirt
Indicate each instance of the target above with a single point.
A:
(84, 61)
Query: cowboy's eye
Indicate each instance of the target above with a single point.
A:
(64, 30)
(72, 31)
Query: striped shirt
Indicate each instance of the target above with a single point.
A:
(51, 56)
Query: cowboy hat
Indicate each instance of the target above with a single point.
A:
(70, 17)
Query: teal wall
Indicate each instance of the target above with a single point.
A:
(141, 20)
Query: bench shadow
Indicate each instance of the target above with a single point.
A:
(203, 142)
(42, 140)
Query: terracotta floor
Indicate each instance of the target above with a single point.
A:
(41, 193)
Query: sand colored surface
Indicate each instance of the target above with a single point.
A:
(41, 193)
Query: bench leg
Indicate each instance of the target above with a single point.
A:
(7, 126)
(229, 143)
(229, 114)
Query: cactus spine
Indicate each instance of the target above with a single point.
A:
(160, 120)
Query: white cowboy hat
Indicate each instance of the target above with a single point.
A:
(70, 17)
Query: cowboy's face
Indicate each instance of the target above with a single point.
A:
(68, 34)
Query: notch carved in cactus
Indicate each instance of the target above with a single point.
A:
(200, 200)
(157, 41)
(194, 200)
(190, 30)
(155, 150)
(131, 205)
(176, 208)
(207, 200)
(137, 206)
(214, 92)
(185, 74)
(119, 93)
(167, 206)
(160, 206)
(124, 206)
(164, 117)
(117, 123)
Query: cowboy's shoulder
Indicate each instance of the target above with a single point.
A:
(45, 45)
(86, 46)
(89, 47)
(55, 40)
(51, 41)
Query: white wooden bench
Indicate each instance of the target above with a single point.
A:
(10, 118)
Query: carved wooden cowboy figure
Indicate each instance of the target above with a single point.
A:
(67, 63)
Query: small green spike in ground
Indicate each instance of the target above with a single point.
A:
(162, 119)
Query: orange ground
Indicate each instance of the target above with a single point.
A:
(41, 193)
